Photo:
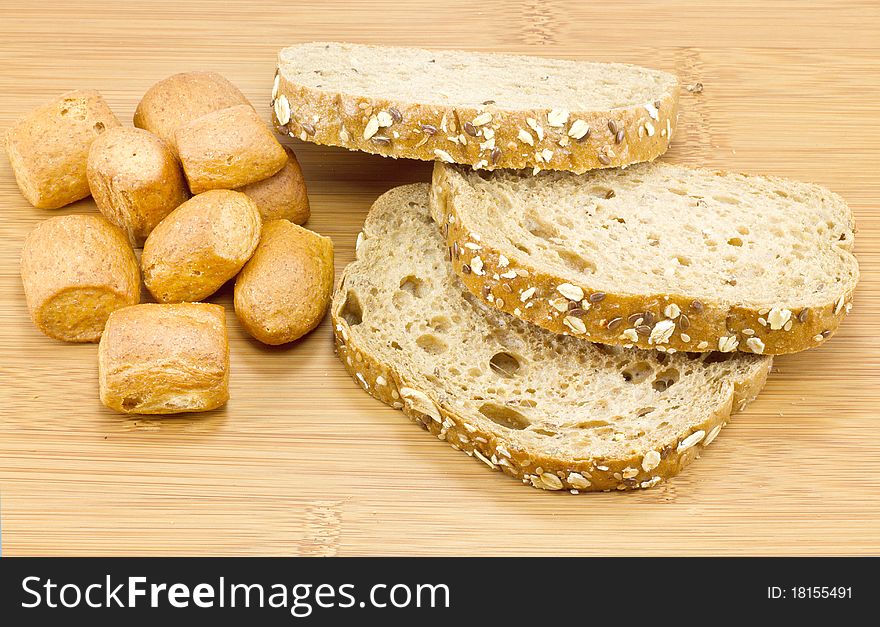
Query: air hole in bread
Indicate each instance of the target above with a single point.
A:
(527, 402)
(735, 241)
(601, 192)
(678, 192)
(441, 324)
(592, 424)
(644, 411)
(130, 402)
(742, 230)
(619, 219)
(546, 432)
(577, 262)
(728, 200)
(523, 249)
(504, 364)
(540, 228)
(99, 126)
(431, 344)
(396, 346)
(608, 349)
(666, 379)
(504, 416)
(351, 310)
(716, 357)
(413, 285)
(637, 372)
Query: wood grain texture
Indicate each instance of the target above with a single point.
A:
(301, 461)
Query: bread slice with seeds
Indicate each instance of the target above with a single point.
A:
(556, 412)
(484, 110)
(655, 256)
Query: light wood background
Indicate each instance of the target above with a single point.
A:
(301, 461)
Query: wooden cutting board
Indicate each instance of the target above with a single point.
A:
(301, 461)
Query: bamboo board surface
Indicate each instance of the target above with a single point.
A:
(301, 461)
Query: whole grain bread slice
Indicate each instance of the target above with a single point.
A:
(556, 412)
(656, 255)
(484, 110)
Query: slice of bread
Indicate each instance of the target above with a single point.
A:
(656, 255)
(484, 110)
(556, 412)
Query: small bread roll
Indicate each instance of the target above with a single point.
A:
(164, 359)
(49, 147)
(76, 271)
(283, 195)
(283, 292)
(200, 245)
(228, 149)
(135, 180)
(182, 98)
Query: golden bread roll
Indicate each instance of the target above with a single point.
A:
(228, 149)
(181, 98)
(135, 180)
(282, 195)
(48, 148)
(76, 271)
(164, 359)
(200, 245)
(283, 292)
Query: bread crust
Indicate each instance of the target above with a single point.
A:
(282, 196)
(48, 148)
(385, 383)
(76, 270)
(200, 245)
(228, 149)
(164, 359)
(181, 98)
(283, 292)
(711, 325)
(135, 180)
(349, 121)
(443, 422)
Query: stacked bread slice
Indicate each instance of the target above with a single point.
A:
(589, 327)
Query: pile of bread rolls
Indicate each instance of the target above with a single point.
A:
(206, 189)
